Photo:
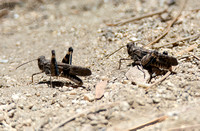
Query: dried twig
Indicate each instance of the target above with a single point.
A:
(180, 53)
(157, 120)
(197, 9)
(169, 72)
(198, 58)
(91, 110)
(196, 36)
(188, 128)
(168, 27)
(138, 18)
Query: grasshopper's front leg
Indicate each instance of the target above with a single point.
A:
(120, 61)
(36, 74)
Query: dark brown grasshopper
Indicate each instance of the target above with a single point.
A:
(153, 61)
(61, 69)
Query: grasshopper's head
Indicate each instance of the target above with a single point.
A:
(131, 48)
(41, 61)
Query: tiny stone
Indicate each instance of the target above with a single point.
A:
(133, 39)
(28, 95)
(18, 43)
(34, 108)
(92, 117)
(62, 104)
(197, 94)
(106, 94)
(74, 101)
(94, 123)
(124, 106)
(3, 61)
(11, 106)
(11, 113)
(3, 107)
(27, 122)
(70, 88)
(37, 94)
(2, 118)
(30, 106)
(104, 121)
(104, 78)
(89, 97)
(83, 102)
(156, 100)
(150, 101)
(21, 106)
(13, 124)
(79, 110)
(28, 128)
(73, 93)
(53, 102)
(140, 102)
(55, 94)
(87, 127)
(125, 82)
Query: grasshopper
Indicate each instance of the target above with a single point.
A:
(61, 69)
(154, 62)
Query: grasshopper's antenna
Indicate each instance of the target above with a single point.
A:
(107, 56)
(25, 63)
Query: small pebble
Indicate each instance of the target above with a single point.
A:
(87, 127)
(72, 92)
(156, 100)
(104, 78)
(27, 122)
(11, 106)
(37, 94)
(2, 118)
(28, 95)
(89, 97)
(124, 106)
(30, 106)
(55, 94)
(125, 82)
(16, 97)
(21, 106)
(11, 113)
(3, 61)
(94, 123)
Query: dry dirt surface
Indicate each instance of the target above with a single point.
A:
(33, 28)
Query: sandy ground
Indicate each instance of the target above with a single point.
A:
(33, 29)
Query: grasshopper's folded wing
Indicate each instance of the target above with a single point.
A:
(168, 59)
(74, 70)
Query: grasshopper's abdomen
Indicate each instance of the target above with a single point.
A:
(159, 60)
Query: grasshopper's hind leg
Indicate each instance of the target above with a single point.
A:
(68, 57)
